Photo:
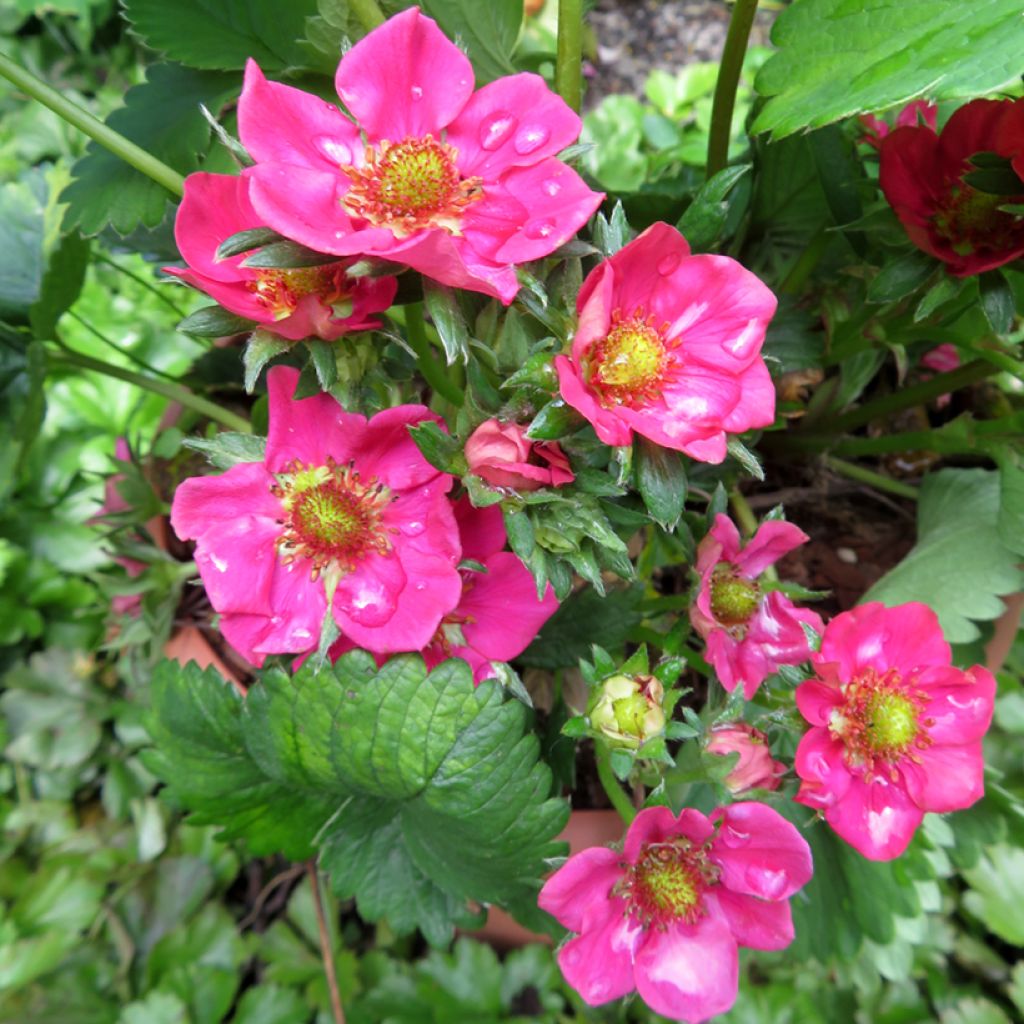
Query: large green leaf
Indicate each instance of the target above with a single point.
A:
(220, 35)
(488, 31)
(428, 792)
(959, 566)
(22, 260)
(162, 116)
(889, 52)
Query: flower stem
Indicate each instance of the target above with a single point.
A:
(618, 796)
(868, 476)
(67, 358)
(368, 13)
(569, 58)
(433, 372)
(326, 954)
(728, 80)
(81, 119)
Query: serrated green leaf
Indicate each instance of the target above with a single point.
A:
(890, 52)
(228, 449)
(261, 347)
(704, 218)
(321, 355)
(271, 1004)
(996, 891)
(746, 458)
(220, 35)
(163, 116)
(1010, 521)
(488, 31)
(661, 477)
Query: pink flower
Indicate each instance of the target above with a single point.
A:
(498, 615)
(501, 454)
(895, 729)
(340, 503)
(457, 184)
(669, 346)
(755, 769)
(909, 117)
(749, 634)
(303, 302)
(942, 358)
(667, 914)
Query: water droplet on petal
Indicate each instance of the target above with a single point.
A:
(417, 92)
(540, 229)
(733, 837)
(421, 586)
(333, 149)
(530, 138)
(551, 186)
(220, 564)
(668, 264)
(496, 129)
(413, 529)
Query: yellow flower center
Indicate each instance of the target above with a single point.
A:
(627, 366)
(733, 598)
(280, 290)
(667, 883)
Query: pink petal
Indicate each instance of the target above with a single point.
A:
(200, 501)
(366, 599)
(688, 972)
(817, 700)
(492, 220)
(598, 963)
(772, 540)
(299, 606)
(754, 923)
(481, 530)
(640, 269)
(959, 704)
(594, 306)
(237, 560)
(658, 824)
(878, 818)
(724, 531)
(756, 405)
(583, 880)
(824, 777)
(948, 778)
(405, 79)
(610, 428)
(501, 607)
(232, 295)
(387, 450)
(723, 654)
(283, 125)
(243, 632)
(513, 122)
(759, 852)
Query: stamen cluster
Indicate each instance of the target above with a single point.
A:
(627, 366)
(279, 291)
(667, 883)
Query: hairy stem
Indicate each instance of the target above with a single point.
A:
(618, 796)
(569, 58)
(728, 80)
(852, 471)
(67, 358)
(326, 953)
(81, 119)
(368, 13)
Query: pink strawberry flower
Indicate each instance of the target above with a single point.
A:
(498, 615)
(876, 129)
(895, 729)
(749, 634)
(343, 512)
(667, 915)
(457, 184)
(295, 303)
(755, 768)
(504, 456)
(669, 346)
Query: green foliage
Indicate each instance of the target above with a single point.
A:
(488, 31)
(890, 53)
(959, 565)
(399, 774)
(996, 890)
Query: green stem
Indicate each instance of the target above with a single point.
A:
(111, 344)
(433, 372)
(618, 796)
(67, 358)
(569, 58)
(81, 119)
(740, 23)
(868, 476)
(101, 257)
(367, 13)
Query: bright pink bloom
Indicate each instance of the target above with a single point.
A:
(895, 729)
(498, 615)
(304, 302)
(457, 184)
(921, 174)
(748, 634)
(121, 604)
(339, 502)
(910, 116)
(755, 769)
(667, 914)
(669, 345)
(501, 454)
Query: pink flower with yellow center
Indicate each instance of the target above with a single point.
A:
(295, 303)
(896, 730)
(344, 513)
(749, 633)
(667, 915)
(669, 346)
(459, 185)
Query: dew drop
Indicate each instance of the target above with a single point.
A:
(551, 186)
(413, 529)
(668, 264)
(417, 92)
(733, 837)
(220, 564)
(421, 586)
(531, 137)
(333, 149)
(540, 229)
(496, 129)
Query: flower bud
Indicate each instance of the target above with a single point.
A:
(627, 710)
(503, 456)
(755, 768)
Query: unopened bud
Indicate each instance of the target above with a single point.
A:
(628, 710)
(755, 768)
